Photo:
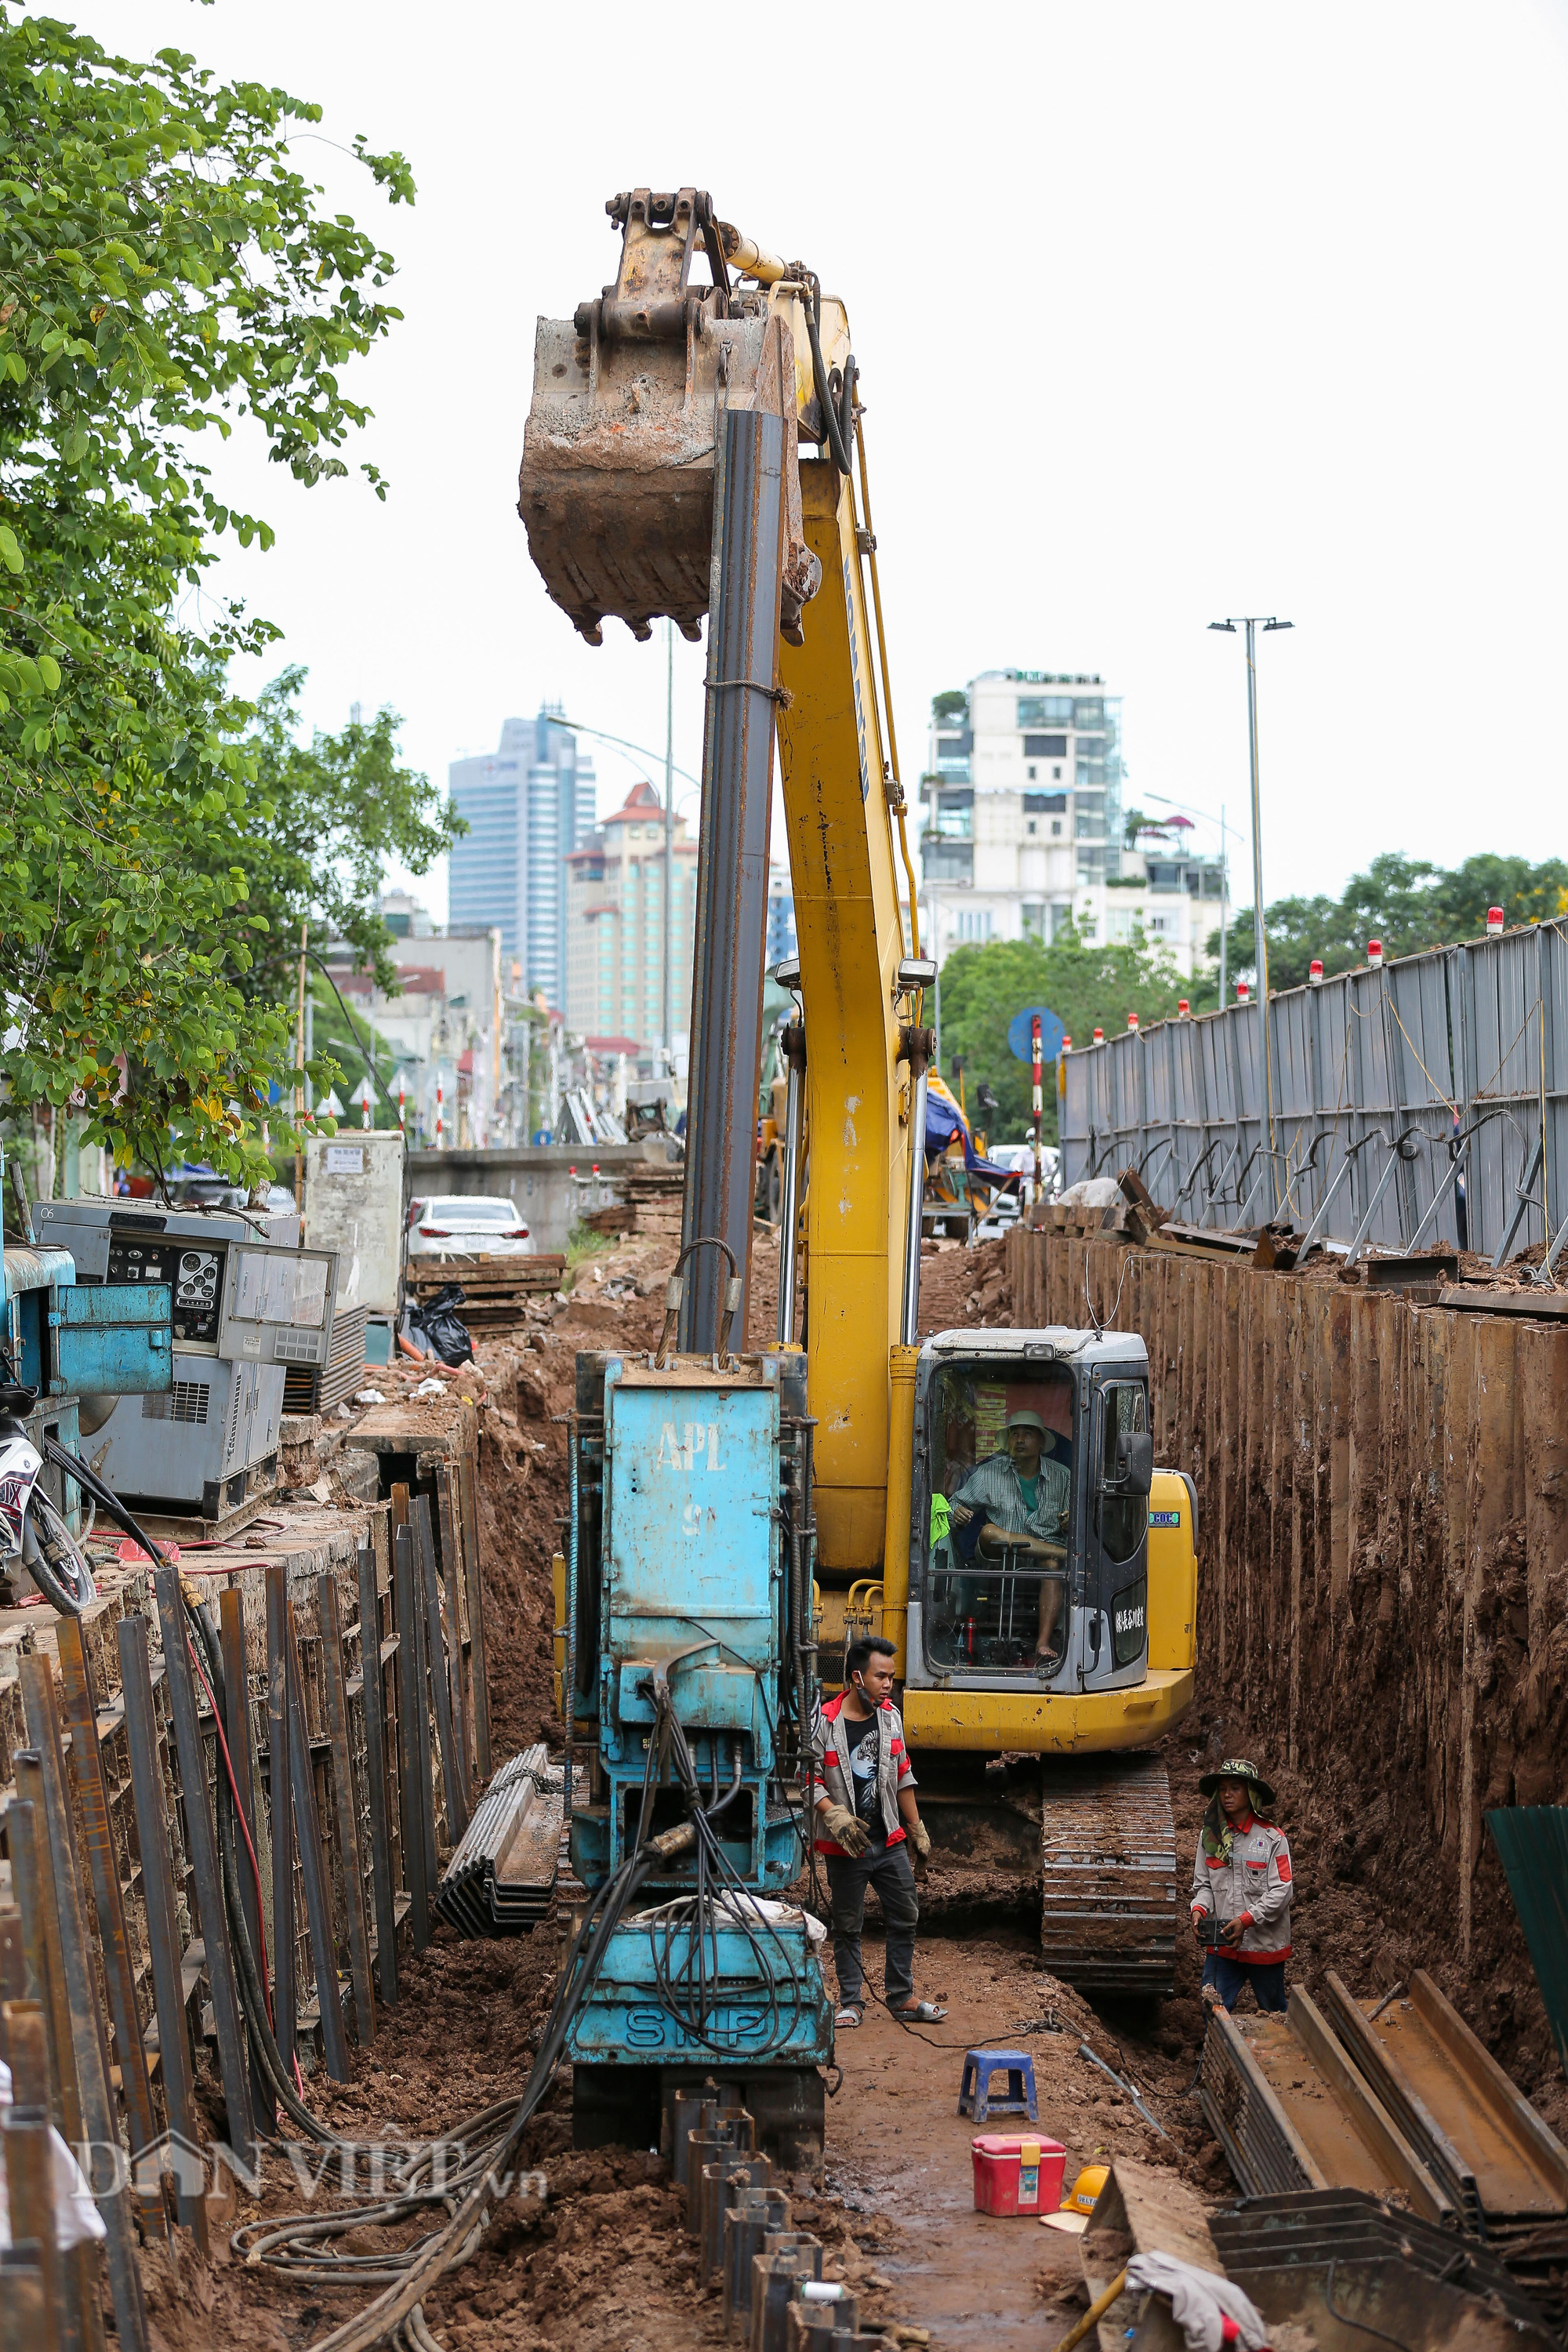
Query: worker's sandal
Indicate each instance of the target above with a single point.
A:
(918, 2012)
(850, 2014)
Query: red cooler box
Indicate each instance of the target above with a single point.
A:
(1017, 2176)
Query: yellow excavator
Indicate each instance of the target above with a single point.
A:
(696, 446)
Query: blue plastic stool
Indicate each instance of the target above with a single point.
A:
(975, 2096)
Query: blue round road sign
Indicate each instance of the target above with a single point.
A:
(1020, 1035)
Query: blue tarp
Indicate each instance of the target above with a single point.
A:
(943, 1121)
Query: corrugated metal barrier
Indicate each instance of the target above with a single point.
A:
(1532, 1841)
(1422, 1102)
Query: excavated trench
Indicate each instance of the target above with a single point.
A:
(604, 2266)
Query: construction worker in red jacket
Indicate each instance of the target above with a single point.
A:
(867, 1818)
(1241, 1879)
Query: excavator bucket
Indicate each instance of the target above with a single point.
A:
(617, 477)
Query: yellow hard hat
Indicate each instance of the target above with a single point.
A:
(1085, 2192)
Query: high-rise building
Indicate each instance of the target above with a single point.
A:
(1023, 830)
(527, 806)
(615, 960)
(782, 939)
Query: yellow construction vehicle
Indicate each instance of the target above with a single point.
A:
(699, 445)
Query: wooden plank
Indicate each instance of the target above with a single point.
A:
(36, 1676)
(469, 1513)
(92, 1796)
(313, 1862)
(39, 2294)
(346, 1805)
(1537, 1305)
(412, 1751)
(285, 1993)
(202, 1839)
(236, 1731)
(424, 1778)
(32, 1882)
(455, 1593)
(169, 1990)
(374, 1651)
(437, 1655)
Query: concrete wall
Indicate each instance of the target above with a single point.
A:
(537, 1176)
(1382, 1543)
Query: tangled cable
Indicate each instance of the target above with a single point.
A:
(301, 2243)
(687, 1971)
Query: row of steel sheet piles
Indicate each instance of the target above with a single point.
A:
(1290, 2111)
(501, 1878)
(1505, 2171)
(1383, 1523)
(225, 1794)
(1393, 2100)
(1344, 2267)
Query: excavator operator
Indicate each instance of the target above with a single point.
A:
(1017, 1503)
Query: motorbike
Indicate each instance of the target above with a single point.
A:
(31, 1529)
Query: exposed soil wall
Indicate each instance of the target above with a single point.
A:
(1383, 1574)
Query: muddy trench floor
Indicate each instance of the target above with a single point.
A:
(604, 2264)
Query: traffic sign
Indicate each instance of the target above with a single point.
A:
(1020, 1034)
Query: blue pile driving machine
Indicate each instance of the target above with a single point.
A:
(685, 1594)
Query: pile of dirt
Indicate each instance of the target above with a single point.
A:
(959, 1286)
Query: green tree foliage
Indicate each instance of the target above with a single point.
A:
(165, 274)
(1407, 903)
(1087, 987)
(328, 815)
(954, 703)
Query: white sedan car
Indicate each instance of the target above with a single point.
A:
(466, 1224)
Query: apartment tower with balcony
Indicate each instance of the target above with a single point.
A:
(1023, 823)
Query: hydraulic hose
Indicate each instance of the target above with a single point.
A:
(839, 429)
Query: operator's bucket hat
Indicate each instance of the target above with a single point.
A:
(1238, 1767)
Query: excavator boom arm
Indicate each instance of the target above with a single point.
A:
(617, 490)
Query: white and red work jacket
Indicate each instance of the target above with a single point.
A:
(831, 1767)
(1252, 1884)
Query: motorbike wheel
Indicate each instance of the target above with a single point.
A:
(53, 1559)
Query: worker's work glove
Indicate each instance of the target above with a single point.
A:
(919, 1838)
(845, 1829)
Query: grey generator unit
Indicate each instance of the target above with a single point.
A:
(247, 1303)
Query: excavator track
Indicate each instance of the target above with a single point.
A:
(1110, 1895)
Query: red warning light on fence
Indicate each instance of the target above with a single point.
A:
(1133, 1020)
(1494, 922)
(1315, 971)
(1183, 1008)
(1374, 953)
(1099, 1037)
(1242, 991)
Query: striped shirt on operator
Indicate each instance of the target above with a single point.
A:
(993, 1491)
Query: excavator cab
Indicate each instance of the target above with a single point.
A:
(1029, 1544)
(1052, 1599)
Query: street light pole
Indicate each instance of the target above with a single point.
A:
(1251, 622)
(1224, 910)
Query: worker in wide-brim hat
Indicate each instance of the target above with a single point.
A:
(1241, 1888)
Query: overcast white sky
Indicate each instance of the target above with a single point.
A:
(1163, 311)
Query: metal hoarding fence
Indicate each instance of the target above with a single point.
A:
(1421, 1101)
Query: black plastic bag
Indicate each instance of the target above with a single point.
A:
(432, 1326)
